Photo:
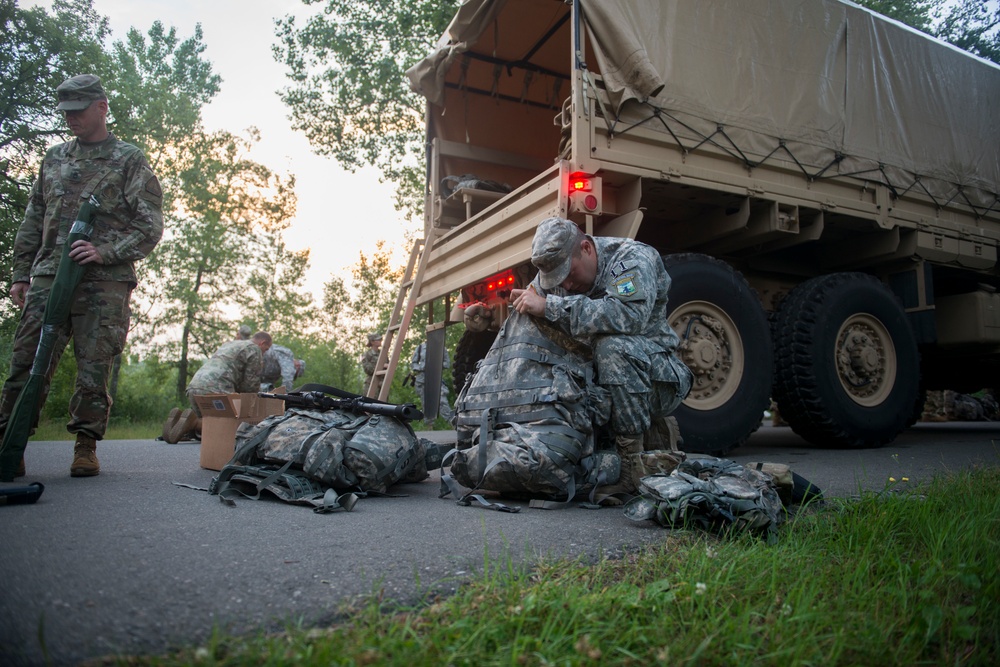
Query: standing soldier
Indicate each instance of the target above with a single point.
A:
(127, 225)
(369, 360)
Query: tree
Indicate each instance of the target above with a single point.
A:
(971, 26)
(336, 302)
(160, 86)
(38, 51)
(224, 201)
(968, 24)
(375, 284)
(348, 92)
(274, 296)
(914, 13)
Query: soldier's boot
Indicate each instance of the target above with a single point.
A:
(172, 418)
(84, 457)
(629, 448)
(185, 424)
(663, 433)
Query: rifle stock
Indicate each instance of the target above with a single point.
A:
(317, 400)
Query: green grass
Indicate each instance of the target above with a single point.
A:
(56, 430)
(887, 579)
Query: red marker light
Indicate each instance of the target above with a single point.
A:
(580, 182)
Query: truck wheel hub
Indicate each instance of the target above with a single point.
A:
(866, 359)
(711, 347)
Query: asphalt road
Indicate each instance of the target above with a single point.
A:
(128, 562)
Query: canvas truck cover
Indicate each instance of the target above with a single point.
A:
(836, 83)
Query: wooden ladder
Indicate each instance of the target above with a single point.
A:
(399, 321)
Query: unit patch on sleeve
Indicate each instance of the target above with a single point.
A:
(625, 286)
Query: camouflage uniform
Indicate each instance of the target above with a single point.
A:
(417, 365)
(623, 318)
(278, 369)
(369, 361)
(127, 227)
(234, 368)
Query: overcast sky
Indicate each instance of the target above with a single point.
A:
(339, 214)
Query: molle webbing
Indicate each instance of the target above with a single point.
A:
(528, 392)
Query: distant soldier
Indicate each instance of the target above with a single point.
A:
(280, 368)
(235, 367)
(127, 225)
(369, 360)
(243, 333)
(418, 362)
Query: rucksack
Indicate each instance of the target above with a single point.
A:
(324, 458)
(714, 494)
(525, 419)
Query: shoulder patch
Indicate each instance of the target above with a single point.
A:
(625, 286)
(153, 187)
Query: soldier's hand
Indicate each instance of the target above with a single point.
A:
(17, 293)
(83, 252)
(528, 301)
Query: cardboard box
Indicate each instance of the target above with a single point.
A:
(222, 414)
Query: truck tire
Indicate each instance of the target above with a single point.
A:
(726, 342)
(847, 371)
(471, 347)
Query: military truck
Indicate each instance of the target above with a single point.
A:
(821, 182)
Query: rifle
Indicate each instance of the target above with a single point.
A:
(317, 400)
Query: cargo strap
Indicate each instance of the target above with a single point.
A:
(465, 498)
(250, 481)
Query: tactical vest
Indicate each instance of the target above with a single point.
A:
(714, 494)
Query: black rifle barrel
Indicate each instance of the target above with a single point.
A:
(319, 401)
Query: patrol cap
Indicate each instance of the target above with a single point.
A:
(244, 332)
(372, 337)
(552, 250)
(78, 92)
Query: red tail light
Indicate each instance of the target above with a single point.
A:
(580, 182)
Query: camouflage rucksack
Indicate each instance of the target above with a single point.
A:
(715, 494)
(526, 417)
(308, 456)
